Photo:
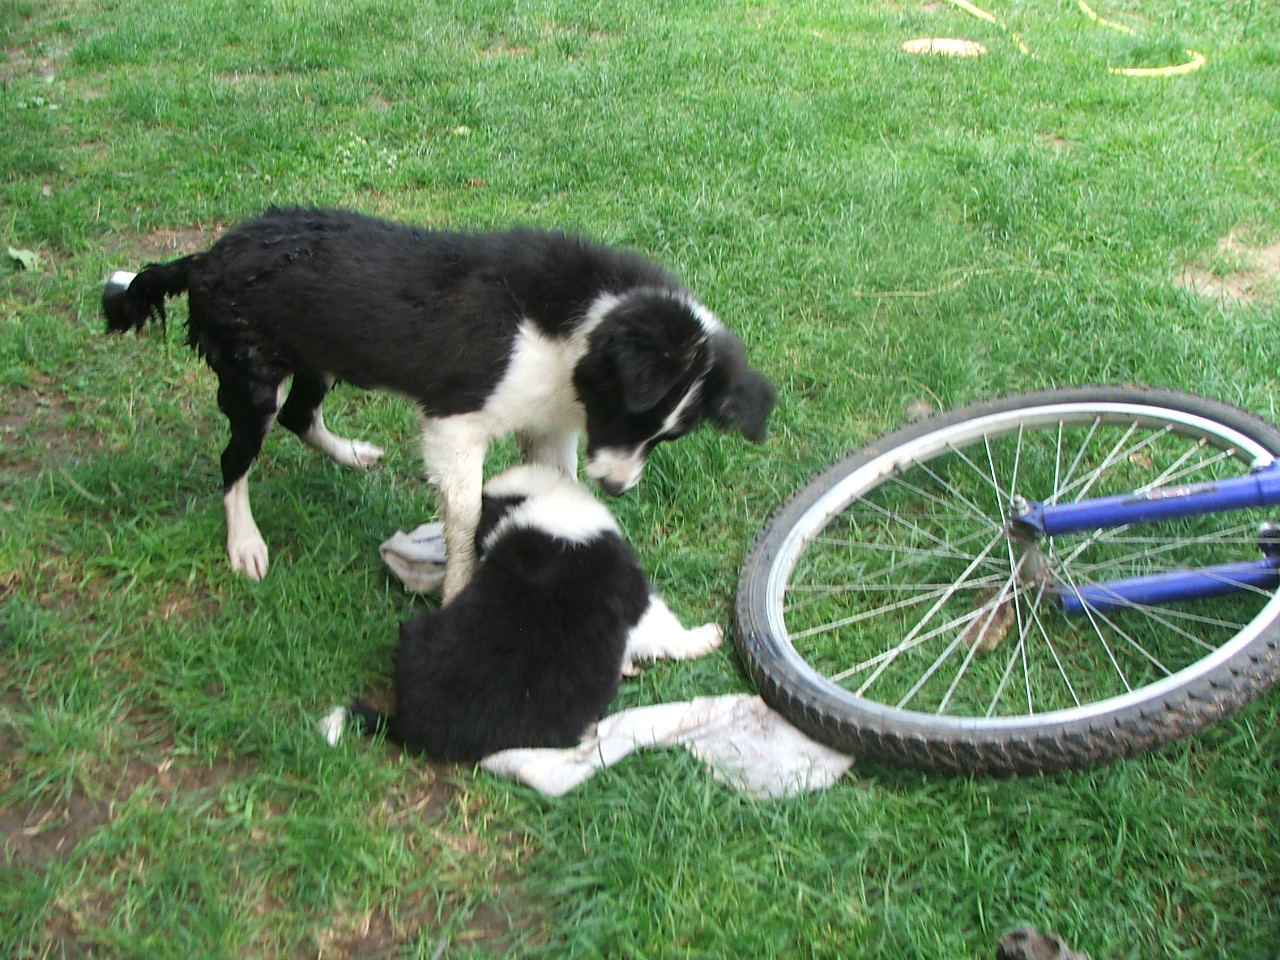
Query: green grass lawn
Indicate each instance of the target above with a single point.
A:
(881, 229)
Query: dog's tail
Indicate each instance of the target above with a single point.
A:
(368, 720)
(130, 300)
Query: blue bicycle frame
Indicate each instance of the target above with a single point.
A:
(1260, 488)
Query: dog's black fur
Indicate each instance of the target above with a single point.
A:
(445, 318)
(530, 653)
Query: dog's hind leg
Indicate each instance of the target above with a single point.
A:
(250, 407)
(659, 635)
(301, 413)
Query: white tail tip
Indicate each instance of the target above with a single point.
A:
(331, 726)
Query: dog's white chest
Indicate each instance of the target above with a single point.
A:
(537, 387)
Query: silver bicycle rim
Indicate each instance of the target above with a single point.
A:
(874, 471)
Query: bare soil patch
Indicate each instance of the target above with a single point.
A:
(501, 48)
(34, 434)
(1239, 273)
(1055, 141)
(166, 243)
(47, 830)
(42, 833)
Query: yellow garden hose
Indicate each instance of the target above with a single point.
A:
(968, 7)
(1195, 63)
(1195, 60)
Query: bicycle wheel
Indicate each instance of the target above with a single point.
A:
(886, 610)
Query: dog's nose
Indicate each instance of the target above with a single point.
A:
(613, 487)
(617, 471)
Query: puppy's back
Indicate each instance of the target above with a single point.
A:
(528, 655)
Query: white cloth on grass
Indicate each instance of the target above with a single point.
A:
(417, 557)
(744, 743)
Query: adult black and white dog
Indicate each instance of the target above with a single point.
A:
(541, 334)
(530, 652)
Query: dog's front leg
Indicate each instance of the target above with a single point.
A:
(453, 450)
(246, 549)
(659, 635)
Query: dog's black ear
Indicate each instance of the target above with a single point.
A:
(639, 350)
(745, 406)
(647, 372)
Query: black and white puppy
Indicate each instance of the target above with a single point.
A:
(530, 652)
(541, 334)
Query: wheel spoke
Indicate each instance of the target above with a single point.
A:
(972, 652)
(937, 605)
(881, 576)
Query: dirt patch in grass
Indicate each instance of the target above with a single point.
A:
(23, 62)
(165, 243)
(501, 48)
(497, 917)
(1056, 142)
(44, 832)
(35, 435)
(1238, 273)
(8, 587)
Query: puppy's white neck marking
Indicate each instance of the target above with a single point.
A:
(595, 314)
(556, 505)
(672, 419)
(527, 480)
(710, 322)
(559, 515)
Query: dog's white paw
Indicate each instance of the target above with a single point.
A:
(685, 645)
(248, 556)
(358, 454)
(698, 642)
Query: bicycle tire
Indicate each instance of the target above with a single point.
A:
(1234, 669)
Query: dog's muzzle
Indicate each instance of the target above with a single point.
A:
(616, 471)
(613, 488)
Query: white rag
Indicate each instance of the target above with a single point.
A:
(417, 557)
(745, 743)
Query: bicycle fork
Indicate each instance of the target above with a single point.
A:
(1030, 523)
